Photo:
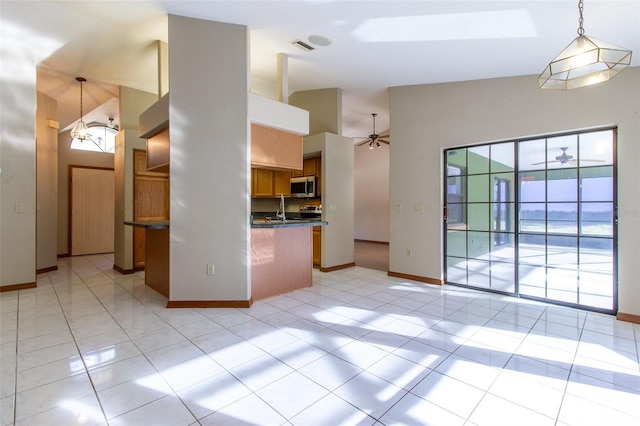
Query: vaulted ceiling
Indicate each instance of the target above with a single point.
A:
(375, 44)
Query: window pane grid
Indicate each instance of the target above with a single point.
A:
(556, 222)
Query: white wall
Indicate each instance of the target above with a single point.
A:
(337, 196)
(425, 119)
(209, 133)
(47, 184)
(132, 103)
(371, 179)
(17, 164)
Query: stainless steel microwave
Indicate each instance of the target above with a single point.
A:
(303, 187)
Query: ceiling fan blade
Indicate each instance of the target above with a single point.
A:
(545, 162)
(364, 142)
(383, 141)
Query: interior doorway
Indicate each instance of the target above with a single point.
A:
(535, 218)
(92, 210)
(371, 254)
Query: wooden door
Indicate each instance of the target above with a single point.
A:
(92, 210)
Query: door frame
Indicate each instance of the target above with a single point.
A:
(517, 293)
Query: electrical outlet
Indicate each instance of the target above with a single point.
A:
(19, 208)
(409, 253)
(420, 208)
(210, 269)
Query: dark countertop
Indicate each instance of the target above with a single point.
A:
(149, 224)
(290, 223)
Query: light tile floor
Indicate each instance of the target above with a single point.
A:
(90, 346)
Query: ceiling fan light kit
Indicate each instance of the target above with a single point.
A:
(565, 158)
(585, 61)
(80, 131)
(374, 139)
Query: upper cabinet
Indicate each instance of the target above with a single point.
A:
(276, 133)
(154, 127)
(158, 152)
(275, 148)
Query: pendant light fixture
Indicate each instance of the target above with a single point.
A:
(583, 62)
(80, 131)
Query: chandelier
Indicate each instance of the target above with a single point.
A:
(585, 61)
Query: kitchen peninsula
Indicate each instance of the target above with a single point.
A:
(281, 255)
(156, 270)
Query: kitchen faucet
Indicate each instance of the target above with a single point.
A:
(280, 213)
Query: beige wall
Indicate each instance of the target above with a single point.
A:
(325, 109)
(428, 118)
(46, 183)
(132, 103)
(209, 160)
(371, 180)
(337, 196)
(17, 164)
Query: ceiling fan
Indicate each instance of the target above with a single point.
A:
(565, 158)
(374, 139)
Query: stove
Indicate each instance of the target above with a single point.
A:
(312, 211)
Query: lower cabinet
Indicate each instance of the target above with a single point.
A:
(317, 245)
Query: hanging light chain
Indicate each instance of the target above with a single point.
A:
(581, 19)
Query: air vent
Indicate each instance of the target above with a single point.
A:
(302, 45)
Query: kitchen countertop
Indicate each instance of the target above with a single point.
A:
(149, 224)
(290, 223)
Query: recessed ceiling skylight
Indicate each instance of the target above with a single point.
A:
(448, 26)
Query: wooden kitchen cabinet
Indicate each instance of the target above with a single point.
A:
(261, 183)
(150, 202)
(158, 151)
(317, 245)
(275, 149)
(140, 165)
(281, 183)
(310, 166)
(269, 183)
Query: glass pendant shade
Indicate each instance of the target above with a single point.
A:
(583, 62)
(80, 131)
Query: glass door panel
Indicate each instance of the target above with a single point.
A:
(563, 246)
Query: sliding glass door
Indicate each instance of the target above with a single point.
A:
(535, 218)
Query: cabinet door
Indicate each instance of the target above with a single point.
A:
(262, 183)
(151, 198)
(281, 183)
(151, 202)
(275, 148)
(317, 245)
(310, 167)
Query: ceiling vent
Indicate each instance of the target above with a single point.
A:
(302, 45)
